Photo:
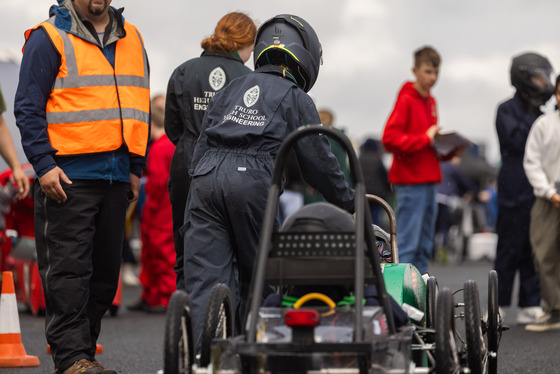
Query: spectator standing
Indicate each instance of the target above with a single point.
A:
(311, 195)
(415, 170)
(190, 88)
(157, 260)
(375, 175)
(454, 192)
(542, 166)
(530, 75)
(82, 106)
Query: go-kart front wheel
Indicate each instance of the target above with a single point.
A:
(447, 359)
(218, 321)
(178, 355)
(476, 347)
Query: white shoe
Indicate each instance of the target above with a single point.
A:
(129, 278)
(531, 314)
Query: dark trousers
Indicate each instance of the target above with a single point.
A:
(79, 249)
(223, 219)
(514, 254)
(178, 185)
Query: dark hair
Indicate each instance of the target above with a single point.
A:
(557, 81)
(233, 32)
(428, 55)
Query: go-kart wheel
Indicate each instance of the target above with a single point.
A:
(494, 322)
(476, 347)
(431, 301)
(37, 298)
(447, 359)
(218, 321)
(178, 354)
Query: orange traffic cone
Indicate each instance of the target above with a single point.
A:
(98, 349)
(12, 352)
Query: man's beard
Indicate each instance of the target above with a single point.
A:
(96, 11)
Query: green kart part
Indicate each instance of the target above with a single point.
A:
(405, 284)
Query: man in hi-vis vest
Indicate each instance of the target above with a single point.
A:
(83, 110)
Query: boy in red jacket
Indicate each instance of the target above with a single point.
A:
(415, 171)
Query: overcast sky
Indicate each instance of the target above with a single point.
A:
(367, 46)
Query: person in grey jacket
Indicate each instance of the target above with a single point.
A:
(542, 166)
(190, 88)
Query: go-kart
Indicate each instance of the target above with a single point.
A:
(314, 333)
(475, 345)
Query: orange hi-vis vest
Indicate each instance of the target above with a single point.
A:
(94, 107)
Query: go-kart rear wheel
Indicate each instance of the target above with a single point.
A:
(447, 359)
(178, 355)
(431, 301)
(218, 321)
(476, 347)
(494, 322)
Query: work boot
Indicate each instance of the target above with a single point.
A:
(83, 366)
(103, 368)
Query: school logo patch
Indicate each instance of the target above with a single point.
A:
(251, 96)
(217, 78)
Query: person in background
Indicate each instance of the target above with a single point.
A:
(83, 109)
(291, 198)
(531, 76)
(156, 227)
(454, 192)
(8, 152)
(244, 126)
(311, 195)
(190, 88)
(375, 175)
(415, 171)
(542, 167)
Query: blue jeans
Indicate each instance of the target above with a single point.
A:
(416, 220)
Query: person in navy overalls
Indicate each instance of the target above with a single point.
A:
(243, 128)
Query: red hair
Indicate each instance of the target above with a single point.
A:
(233, 32)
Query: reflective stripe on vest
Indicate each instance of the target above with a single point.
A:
(92, 107)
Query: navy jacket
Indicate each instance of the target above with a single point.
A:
(514, 119)
(255, 113)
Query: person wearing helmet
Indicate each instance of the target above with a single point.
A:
(243, 128)
(531, 77)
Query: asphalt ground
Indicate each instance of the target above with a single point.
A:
(133, 341)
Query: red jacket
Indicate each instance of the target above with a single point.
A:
(414, 158)
(156, 213)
